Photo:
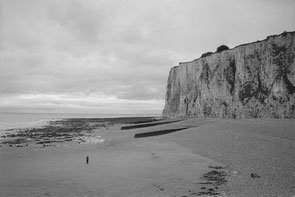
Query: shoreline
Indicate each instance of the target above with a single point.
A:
(64, 129)
(119, 166)
(190, 159)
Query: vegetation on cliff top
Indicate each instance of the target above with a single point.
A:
(222, 48)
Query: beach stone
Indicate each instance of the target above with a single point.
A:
(255, 175)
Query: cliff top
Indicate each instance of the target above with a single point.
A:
(241, 45)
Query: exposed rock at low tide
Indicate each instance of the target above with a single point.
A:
(80, 130)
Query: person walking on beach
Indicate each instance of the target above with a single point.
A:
(87, 159)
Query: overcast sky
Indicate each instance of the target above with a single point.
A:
(106, 56)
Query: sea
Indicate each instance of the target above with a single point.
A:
(12, 121)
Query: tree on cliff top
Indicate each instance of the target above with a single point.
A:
(222, 48)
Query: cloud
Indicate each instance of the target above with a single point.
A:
(84, 21)
(69, 103)
(120, 51)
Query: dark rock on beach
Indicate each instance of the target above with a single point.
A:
(254, 175)
(213, 178)
(66, 130)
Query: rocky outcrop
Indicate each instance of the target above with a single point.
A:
(253, 80)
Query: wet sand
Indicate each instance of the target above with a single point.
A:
(120, 166)
(162, 165)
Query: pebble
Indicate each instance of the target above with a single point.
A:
(255, 175)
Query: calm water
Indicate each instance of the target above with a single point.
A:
(27, 120)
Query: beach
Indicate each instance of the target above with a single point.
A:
(183, 157)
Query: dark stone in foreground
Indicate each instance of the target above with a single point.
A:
(255, 175)
(155, 133)
(213, 178)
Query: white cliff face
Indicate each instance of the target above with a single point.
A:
(250, 81)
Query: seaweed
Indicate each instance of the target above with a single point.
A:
(213, 179)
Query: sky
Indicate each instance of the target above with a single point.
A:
(114, 57)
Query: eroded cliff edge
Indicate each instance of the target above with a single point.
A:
(255, 80)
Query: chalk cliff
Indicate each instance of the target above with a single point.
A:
(249, 81)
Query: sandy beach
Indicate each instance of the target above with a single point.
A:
(173, 164)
